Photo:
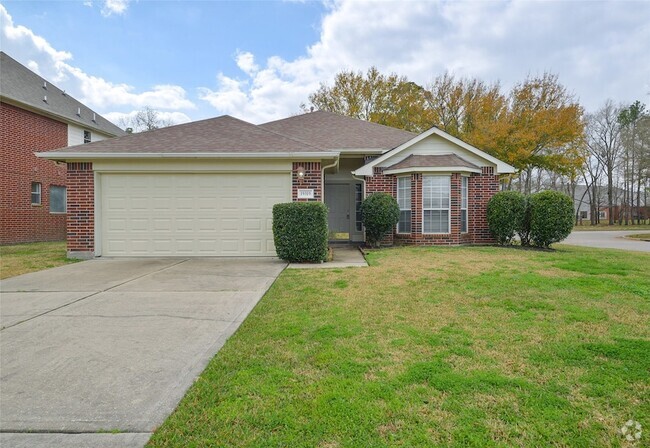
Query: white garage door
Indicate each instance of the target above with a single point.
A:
(190, 214)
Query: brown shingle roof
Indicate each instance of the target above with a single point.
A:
(337, 132)
(439, 161)
(223, 134)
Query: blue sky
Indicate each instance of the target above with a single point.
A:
(259, 60)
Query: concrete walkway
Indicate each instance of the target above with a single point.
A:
(343, 256)
(608, 239)
(112, 345)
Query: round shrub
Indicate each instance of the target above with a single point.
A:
(300, 231)
(551, 217)
(379, 214)
(506, 212)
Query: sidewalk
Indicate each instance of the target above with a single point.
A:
(344, 256)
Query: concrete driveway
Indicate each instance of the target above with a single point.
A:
(608, 239)
(113, 344)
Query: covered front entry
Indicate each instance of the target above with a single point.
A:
(187, 214)
(344, 202)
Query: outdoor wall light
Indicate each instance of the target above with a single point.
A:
(301, 171)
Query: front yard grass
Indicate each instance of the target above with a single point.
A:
(478, 346)
(24, 258)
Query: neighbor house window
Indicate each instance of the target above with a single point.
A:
(435, 204)
(36, 193)
(404, 202)
(602, 215)
(463, 203)
(86, 136)
(58, 196)
(583, 214)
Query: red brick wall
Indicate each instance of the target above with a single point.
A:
(21, 133)
(81, 210)
(481, 188)
(313, 179)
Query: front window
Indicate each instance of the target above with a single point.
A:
(435, 204)
(463, 204)
(404, 202)
(36, 193)
(87, 136)
(57, 199)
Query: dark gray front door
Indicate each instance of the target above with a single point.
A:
(337, 199)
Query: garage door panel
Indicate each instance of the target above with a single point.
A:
(190, 214)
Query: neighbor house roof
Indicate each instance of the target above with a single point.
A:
(221, 135)
(432, 161)
(336, 132)
(19, 85)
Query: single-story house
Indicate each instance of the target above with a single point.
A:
(207, 188)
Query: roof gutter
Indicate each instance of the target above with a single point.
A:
(62, 155)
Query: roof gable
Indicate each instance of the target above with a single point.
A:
(21, 85)
(419, 145)
(336, 132)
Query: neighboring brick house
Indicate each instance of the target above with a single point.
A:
(36, 116)
(207, 188)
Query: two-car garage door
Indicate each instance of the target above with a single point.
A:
(174, 214)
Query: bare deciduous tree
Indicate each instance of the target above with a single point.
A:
(146, 119)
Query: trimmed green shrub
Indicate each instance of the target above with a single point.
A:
(506, 213)
(300, 231)
(379, 214)
(551, 217)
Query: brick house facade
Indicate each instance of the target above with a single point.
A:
(21, 133)
(463, 178)
(36, 116)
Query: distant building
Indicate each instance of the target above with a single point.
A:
(585, 203)
(37, 116)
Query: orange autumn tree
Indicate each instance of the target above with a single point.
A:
(537, 125)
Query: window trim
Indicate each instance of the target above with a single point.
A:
(448, 232)
(465, 188)
(410, 209)
(90, 136)
(65, 200)
(40, 194)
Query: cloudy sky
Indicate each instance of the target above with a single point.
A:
(259, 60)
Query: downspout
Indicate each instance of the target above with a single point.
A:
(322, 176)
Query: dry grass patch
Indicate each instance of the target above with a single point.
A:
(21, 259)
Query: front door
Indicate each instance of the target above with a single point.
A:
(343, 202)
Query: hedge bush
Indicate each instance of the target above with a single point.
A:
(506, 213)
(300, 231)
(551, 217)
(379, 214)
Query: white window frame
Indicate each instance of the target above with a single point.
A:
(464, 203)
(410, 207)
(448, 209)
(39, 192)
(88, 138)
(65, 200)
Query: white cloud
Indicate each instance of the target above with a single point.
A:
(599, 50)
(114, 7)
(19, 41)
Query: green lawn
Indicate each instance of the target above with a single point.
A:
(23, 258)
(429, 347)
